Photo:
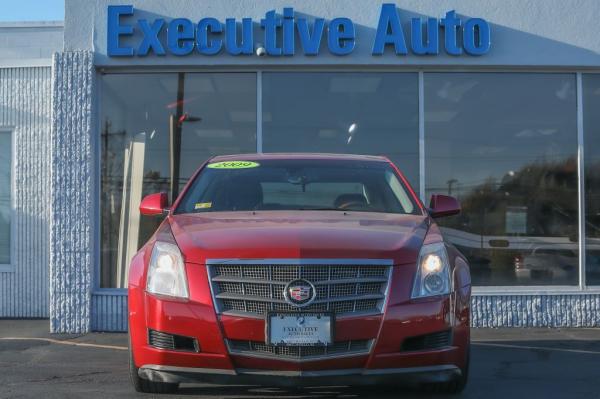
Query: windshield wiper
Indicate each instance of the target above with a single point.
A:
(321, 209)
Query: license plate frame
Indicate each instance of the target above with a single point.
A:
(311, 315)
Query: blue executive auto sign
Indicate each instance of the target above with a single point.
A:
(210, 36)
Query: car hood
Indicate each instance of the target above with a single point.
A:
(300, 234)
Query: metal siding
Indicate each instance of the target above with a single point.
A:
(109, 312)
(25, 107)
(28, 44)
(72, 188)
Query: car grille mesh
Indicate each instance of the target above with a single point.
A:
(255, 289)
(355, 347)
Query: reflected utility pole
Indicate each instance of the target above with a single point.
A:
(175, 127)
(450, 183)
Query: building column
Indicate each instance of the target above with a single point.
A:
(72, 200)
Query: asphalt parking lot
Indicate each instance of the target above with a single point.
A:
(506, 363)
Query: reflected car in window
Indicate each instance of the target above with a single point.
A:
(552, 264)
(299, 269)
(546, 263)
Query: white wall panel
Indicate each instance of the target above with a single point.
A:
(25, 104)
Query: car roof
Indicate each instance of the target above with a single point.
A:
(299, 156)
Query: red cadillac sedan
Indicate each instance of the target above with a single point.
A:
(299, 269)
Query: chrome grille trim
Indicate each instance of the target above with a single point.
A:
(300, 353)
(301, 261)
(161, 340)
(253, 287)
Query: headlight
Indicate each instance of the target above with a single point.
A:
(433, 272)
(166, 273)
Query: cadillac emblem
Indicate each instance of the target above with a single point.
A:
(299, 293)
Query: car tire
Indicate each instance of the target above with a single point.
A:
(146, 386)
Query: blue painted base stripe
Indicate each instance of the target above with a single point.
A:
(109, 312)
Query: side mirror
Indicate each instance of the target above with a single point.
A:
(154, 204)
(443, 205)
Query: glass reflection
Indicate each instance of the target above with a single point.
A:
(505, 145)
(157, 129)
(591, 128)
(359, 113)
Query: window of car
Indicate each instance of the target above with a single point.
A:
(315, 194)
(555, 252)
(299, 185)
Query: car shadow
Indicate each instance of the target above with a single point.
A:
(253, 392)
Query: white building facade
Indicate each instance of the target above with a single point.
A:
(493, 102)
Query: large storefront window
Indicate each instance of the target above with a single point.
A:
(5, 195)
(505, 144)
(156, 130)
(360, 113)
(591, 128)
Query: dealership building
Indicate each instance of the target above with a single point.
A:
(495, 103)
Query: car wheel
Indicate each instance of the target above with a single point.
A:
(457, 385)
(147, 386)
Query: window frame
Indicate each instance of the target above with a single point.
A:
(581, 289)
(10, 267)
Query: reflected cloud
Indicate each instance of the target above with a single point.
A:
(566, 91)
(528, 133)
(354, 84)
(454, 92)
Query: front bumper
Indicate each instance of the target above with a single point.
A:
(411, 375)
(386, 360)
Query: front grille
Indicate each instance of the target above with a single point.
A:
(428, 341)
(356, 347)
(246, 287)
(167, 341)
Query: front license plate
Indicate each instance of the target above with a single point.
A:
(304, 329)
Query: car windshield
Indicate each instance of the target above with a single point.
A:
(290, 185)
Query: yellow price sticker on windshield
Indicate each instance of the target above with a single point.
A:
(233, 165)
(203, 205)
